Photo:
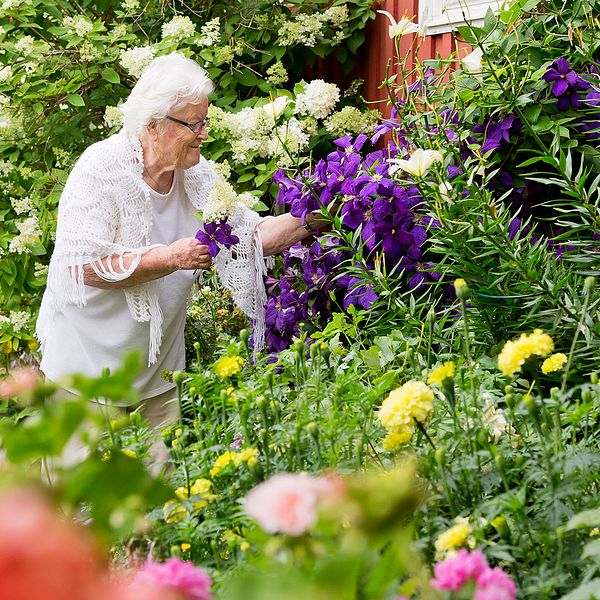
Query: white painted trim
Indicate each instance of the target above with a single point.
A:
(441, 16)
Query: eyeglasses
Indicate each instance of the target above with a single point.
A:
(195, 127)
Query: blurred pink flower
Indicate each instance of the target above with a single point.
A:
(287, 503)
(495, 584)
(19, 382)
(452, 574)
(177, 575)
(42, 555)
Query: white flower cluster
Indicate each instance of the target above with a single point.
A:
(210, 32)
(135, 60)
(25, 45)
(352, 121)
(10, 4)
(318, 99)
(223, 202)
(62, 158)
(178, 28)
(40, 270)
(6, 168)
(308, 29)
(113, 116)
(79, 25)
(29, 233)
(130, 6)
(5, 72)
(223, 169)
(19, 319)
(289, 139)
(22, 205)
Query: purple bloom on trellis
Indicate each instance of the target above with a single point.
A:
(217, 233)
(592, 98)
(566, 84)
(454, 171)
(497, 132)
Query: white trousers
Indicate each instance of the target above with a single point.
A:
(160, 411)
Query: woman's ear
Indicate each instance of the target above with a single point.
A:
(152, 130)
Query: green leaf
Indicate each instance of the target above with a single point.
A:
(111, 76)
(591, 550)
(75, 99)
(586, 591)
(587, 518)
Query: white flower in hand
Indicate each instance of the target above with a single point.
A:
(417, 164)
(275, 107)
(472, 63)
(400, 28)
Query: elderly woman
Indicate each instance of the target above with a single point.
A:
(125, 254)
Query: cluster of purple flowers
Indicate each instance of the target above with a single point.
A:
(216, 233)
(359, 190)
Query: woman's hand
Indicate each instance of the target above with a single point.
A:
(188, 253)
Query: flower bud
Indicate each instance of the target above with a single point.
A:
(594, 378)
(314, 351)
(589, 284)
(178, 377)
(586, 396)
(431, 316)
(244, 335)
(223, 395)
(510, 399)
(261, 402)
(509, 389)
(313, 429)
(461, 288)
(530, 404)
(440, 456)
(299, 346)
(197, 346)
(554, 393)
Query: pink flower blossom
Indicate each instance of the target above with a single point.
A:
(179, 576)
(495, 584)
(19, 382)
(287, 503)
(454, 572)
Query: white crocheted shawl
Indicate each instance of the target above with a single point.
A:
(105, 209)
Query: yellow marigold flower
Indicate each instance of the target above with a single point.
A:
(173, 511)
(396, 438)
(185, 547)
(411, 402)
(201, 487)
(105, 456)
(248, 456)
(445, 371)
(129, 452)
(461, 287)
(244, 546)
(455, 537)
(230, 537)
(594, 532)
(554, 363)
(516, 352)
(224, 460)
(227, 366)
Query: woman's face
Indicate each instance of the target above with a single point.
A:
(176, 145)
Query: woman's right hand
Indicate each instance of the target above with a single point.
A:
(188, 253)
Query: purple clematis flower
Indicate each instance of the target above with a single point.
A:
(497, 132)
(566, 84)
(214, 234)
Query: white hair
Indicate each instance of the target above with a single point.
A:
(168, 83)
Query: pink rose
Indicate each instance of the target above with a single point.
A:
(178, 576)
(287, 503)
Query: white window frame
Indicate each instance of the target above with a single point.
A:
(441, 16)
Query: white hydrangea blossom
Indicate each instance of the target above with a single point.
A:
(40, 270)
(11, 4)
(88, 52)
(223, 169)
(288, 140)
(250, 130)
(210, 32)
(6, 72)
(318, 99)
(29, 233)
(19, 319)
(119, 31)
(222, 202)
(2, 30)
(79, 25)
(135, 60)
(130, 6)
(22, 205)
(351, 120)
(6, 168)
(178, 28)
(25, 45)
(336, 15)
(4, 320)
(113, 116)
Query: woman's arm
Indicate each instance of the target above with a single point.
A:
(279, 233)
(186, 253)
